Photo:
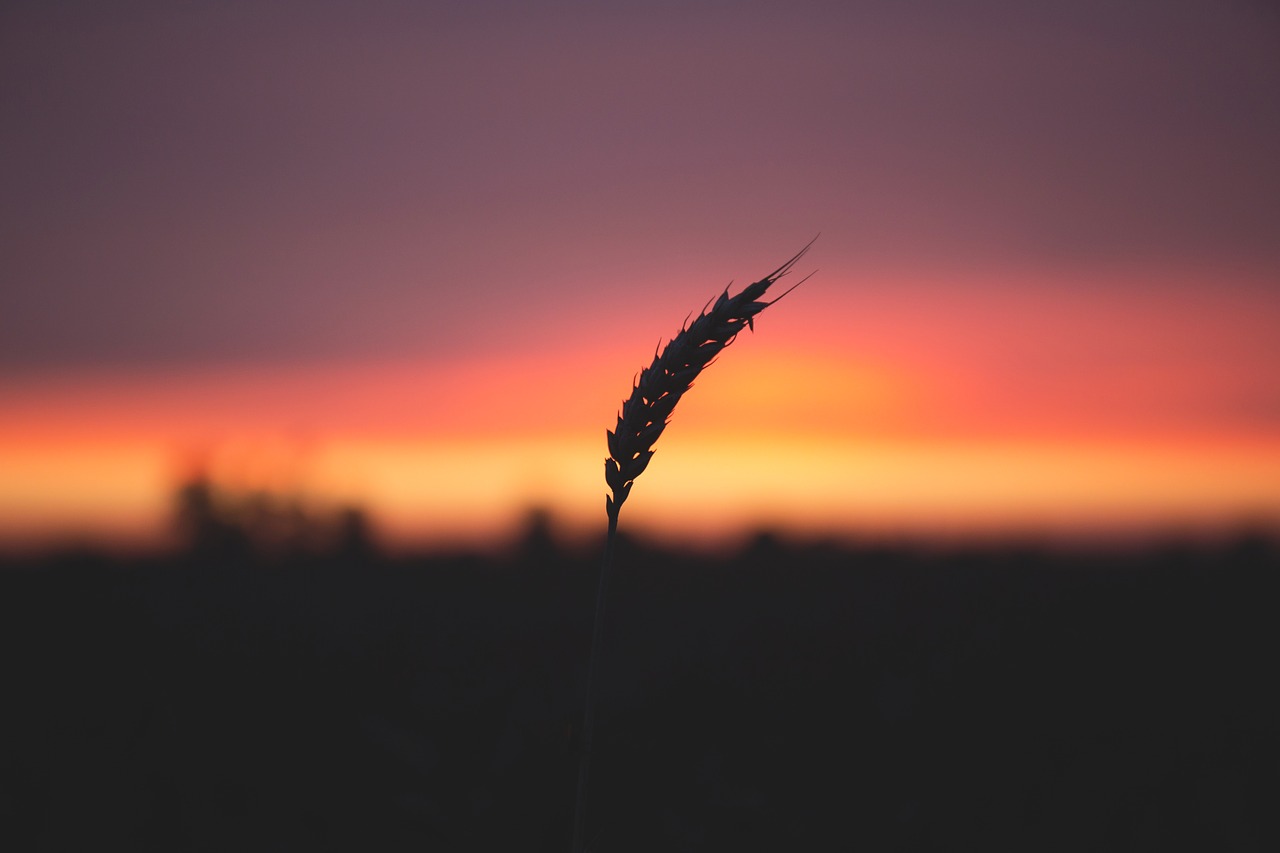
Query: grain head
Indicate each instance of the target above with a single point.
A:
(660, 386)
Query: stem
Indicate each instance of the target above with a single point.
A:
(589, 712)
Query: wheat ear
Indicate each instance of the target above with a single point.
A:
(644, 415)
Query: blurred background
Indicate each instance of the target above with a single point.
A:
(313, 316)
(408, 257)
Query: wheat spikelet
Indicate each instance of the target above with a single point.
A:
(660, 386)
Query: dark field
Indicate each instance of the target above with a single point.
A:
(786, 698)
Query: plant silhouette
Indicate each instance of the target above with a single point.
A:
(644, 416)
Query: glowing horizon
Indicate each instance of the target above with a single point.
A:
(929, 422)
(699, 489)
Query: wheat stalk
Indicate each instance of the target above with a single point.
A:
(644, 416)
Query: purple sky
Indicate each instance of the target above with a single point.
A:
(193, 183)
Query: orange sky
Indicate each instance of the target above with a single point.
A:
(856, 408)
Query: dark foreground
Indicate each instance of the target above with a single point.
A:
(786, 699)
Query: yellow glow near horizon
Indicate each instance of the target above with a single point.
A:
(825, 486)
(61, 492)
(699, 487)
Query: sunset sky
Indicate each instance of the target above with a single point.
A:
(410, 256)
